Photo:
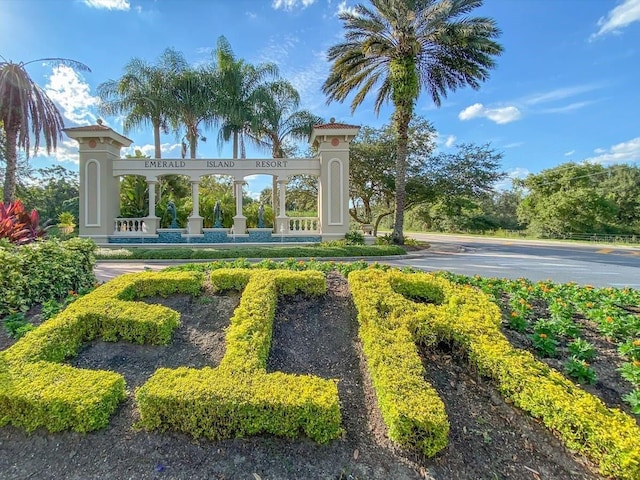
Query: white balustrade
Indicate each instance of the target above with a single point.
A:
(304, 225)
(129, 226)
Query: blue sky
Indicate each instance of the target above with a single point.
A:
(565, 89)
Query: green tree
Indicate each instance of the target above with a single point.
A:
(144, 94)
(27, 114)
(280, 119)
(371, 175)
(373, 165)
(621, 186)
(192, 93)
(403, 46)
(242, 88)
(302, 195)
(51, 191)
(501, 209)
(581, 198)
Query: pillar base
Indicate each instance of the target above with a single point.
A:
(151, 224)
(239, 224)
(282, 225)
(195, 225)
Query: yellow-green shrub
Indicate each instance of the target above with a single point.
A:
(466, 317)
(412, 410)
(239, 397)
(35, 390)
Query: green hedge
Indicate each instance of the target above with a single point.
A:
(43, 271)
(35, 390)
(412, 410)
(466, 317)
(239, 397)
(187, 253)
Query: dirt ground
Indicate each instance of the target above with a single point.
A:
(489, 438)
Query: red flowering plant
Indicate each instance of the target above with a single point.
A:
(19, 226)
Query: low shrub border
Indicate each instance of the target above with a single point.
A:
(186, 253)
(239, 397)
(36, 391)
(466, 317)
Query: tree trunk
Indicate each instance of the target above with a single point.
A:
(378, 220)
(402, 117)
(12, 163)
(193, 145)
(405, 87)
(235, 144)
(156, 138)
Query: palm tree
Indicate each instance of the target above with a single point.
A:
(26, 110)
(193, 91)
(241, 88)
(403, 46)
(143, 93)
(279, 119)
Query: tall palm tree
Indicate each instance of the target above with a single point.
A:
(143, 93)
(279, 118)
(403, 46)
(193, 91)
(242, 87)
(26, 110)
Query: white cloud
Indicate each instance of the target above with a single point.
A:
(109, 4)
(71, 92)
(499, 115)
(621, 16)
(308, 79)
(559, 94)
(569, 153)
(291, 4)
(66, 152)
(277, 49)
(513, 145)
(450, 141)
(168, 150)
(569, 108)
(343, 8)
(622, 152)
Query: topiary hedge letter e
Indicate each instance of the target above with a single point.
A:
(239, 397)
(36, 390)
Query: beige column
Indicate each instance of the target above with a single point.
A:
(98, 147)
(151, 221)
(239, 220)
(195, 220)
(274, 194)
(282, 222)
(332, 141)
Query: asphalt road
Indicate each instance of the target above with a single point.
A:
(596, 265)
(599, 265)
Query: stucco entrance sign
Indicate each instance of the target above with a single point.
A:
(101, 168)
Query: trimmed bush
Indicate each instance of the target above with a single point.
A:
(36, 391)
(467, 318)
(239, 397)
(43, 271)
(412, 410)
